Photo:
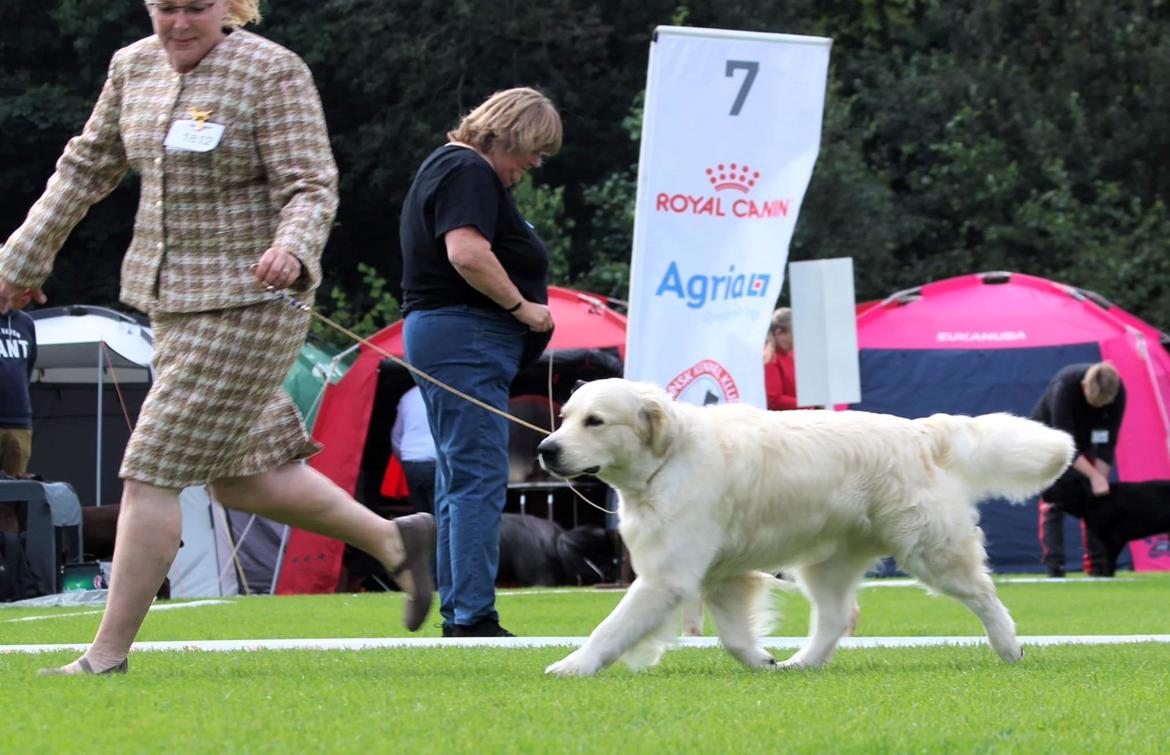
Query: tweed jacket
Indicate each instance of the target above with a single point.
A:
(204, 218)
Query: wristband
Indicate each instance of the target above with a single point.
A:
(519, 304)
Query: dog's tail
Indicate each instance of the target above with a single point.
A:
(999, 454)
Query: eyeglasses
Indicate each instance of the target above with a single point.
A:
(170, 10)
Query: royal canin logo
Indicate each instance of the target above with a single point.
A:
(725, 177)
(737, 177)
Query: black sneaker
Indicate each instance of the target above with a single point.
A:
(481, 628)
(1055, 572)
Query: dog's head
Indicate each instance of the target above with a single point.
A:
(1071, 493)
(610, 428)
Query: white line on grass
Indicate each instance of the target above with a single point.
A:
(155, 607)
(899, 582)
(883, 582)
(378, 643)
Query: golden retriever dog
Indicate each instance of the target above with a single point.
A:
(713, 499)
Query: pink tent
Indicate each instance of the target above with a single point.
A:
(991, 342)
(312, 563)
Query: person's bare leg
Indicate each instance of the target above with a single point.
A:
(299, 495)
(149, 528)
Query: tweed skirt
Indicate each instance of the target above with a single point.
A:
(217, 408)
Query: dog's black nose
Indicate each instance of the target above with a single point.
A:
(549, 451)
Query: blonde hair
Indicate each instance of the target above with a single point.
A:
(1101, 384)
(515, 120)
(781, 318)
(242, 13)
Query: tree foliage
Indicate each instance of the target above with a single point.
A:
(959, 136)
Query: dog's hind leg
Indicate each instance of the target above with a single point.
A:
(692, 617)
(960, 573)
(737, 606)
(832, 588)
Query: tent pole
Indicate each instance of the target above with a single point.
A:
(279, 558)
(1143, 350)
(311, 415)
(97, 490)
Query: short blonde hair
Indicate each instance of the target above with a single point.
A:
(781, 318)
(1101, 384)
(243, 12)
(515, 120)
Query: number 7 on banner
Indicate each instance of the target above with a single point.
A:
(752, 67)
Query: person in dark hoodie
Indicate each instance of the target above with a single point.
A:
(18, 354)
(1087, 401)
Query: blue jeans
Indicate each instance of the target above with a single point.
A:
(478, 352)
(420, 482)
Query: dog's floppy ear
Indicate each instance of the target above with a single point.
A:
(576, 386)
(654, 421)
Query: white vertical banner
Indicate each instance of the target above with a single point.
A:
(730, 133)
(824, 331)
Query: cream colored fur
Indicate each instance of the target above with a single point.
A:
(712, 497)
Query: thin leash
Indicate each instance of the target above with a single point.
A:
(307, 308)
(295, 304)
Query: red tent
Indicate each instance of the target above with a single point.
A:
(991, 342)
(312, 563)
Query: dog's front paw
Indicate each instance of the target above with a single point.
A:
(1011, 653)
(573, 664)
(765, 662)
(788, 665)
(799, 662)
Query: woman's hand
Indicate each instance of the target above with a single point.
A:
(13, 296)
(278, 269)
(537, 317)
(1100, 485)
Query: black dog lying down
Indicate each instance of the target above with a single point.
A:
(1131, 511)
(535, 551)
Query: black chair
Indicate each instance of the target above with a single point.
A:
(53, 531)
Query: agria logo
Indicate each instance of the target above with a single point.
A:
(725, 177)
(698, 289)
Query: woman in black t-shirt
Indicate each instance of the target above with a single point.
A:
(475, 302)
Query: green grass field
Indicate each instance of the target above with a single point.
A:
(1073, 698)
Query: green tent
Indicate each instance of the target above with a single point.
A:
(314, 369)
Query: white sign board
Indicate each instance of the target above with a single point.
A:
(824, 332)
(730, 133)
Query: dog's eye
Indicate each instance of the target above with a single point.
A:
(593, 421)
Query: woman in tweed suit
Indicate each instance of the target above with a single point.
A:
(239, 189)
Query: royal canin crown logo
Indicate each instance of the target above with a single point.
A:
(725, 177)
(733, 176)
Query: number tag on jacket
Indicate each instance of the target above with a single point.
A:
(192, 136)
(1099, 437)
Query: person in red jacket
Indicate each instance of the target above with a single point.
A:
(779, 369)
